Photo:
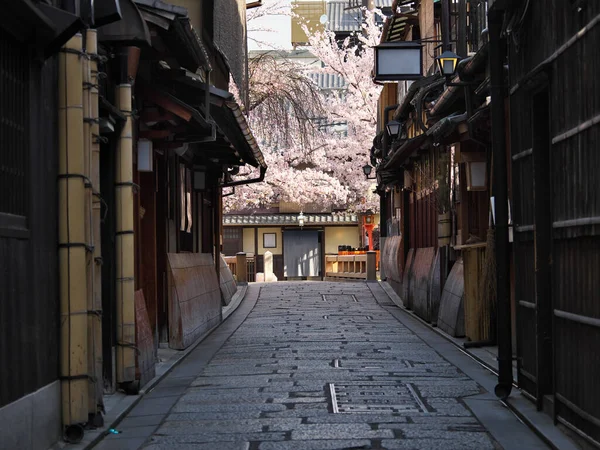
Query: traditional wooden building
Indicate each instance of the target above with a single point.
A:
(554, 106)
(141, 134)
(32, 355)
(298, 238)
(523, 238)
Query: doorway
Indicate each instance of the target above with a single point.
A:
(301, 254)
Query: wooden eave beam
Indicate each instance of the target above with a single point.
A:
(154, 115)
(155, 134)
(168, 104)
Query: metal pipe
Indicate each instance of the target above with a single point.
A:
(496, 58)
(383, 213)
(461, 47)
(446, 25)
(263, 171)
(385, 139)
(72, 248)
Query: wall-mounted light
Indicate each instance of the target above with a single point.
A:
(398, 61)
(145, 156)
(199, 178)
(393, 128)
(476, 170)
(447, 63)
(367, 169)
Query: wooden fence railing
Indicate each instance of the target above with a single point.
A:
(250, 267)
(361, 267)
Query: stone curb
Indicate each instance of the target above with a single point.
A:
(128, 402)
(539, 423)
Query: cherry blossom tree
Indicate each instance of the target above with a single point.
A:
(314, 161)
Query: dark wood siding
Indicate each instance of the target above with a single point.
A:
(573, 201)
(29, 310)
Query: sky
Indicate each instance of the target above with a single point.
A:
(272, 31)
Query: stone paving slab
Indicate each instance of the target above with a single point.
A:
(319, 365)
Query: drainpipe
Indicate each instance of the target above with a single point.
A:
(496, 54)
(446, 26)
(383, 212)
(260, 178)
(124, 242)
(72, 246)
(96, 316)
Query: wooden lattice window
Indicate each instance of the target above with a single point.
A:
(232, 240)
(14, 133)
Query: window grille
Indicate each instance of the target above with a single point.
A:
(14, 127)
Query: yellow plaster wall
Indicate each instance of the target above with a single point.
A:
(277, 250)
(248, 240)
(335, 236)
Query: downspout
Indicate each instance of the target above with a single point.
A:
(92, 51)
(217, 208)
(72, 247)
(261, 177)
(124, 242)
(383, 212)
(496, 55)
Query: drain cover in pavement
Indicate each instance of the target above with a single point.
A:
(334, 297)
(375, 398)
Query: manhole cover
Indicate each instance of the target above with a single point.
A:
(338, 363)
(339, 297)
(375, 398)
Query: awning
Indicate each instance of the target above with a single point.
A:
(404, 151)
(226, 113)
(131, 29)
(445, 127)
(173, 26)
(406, 106)
(174, 105)
(41, 25)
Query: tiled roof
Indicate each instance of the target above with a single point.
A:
(290, 219)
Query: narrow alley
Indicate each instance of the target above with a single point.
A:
(317, 365)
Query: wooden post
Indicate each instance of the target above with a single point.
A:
(371, 266)
(241, 268)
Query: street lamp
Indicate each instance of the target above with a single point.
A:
(367, 169)
(301, 219)
(447, 63)
(393, 128)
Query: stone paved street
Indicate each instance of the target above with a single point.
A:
(322, 366)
